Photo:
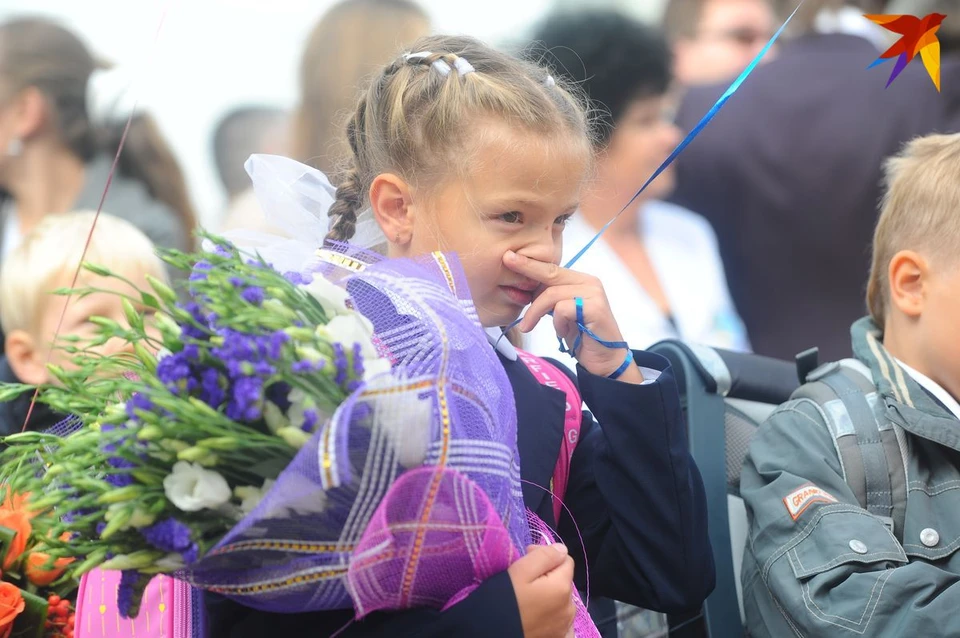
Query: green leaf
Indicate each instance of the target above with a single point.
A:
(30, 623)
(6, 538)
(149, 300)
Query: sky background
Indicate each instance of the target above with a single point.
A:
(211, 55)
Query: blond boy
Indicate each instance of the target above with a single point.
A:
(853, 487)
(45, 261)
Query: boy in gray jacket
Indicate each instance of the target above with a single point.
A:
(852, 488)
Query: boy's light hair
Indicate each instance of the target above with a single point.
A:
(920, 211)
(53, 249)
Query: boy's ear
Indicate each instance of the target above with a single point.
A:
(908, 274)
(25, 358)
(391, 202)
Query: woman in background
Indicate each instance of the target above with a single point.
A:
(349, 44)
(60, 127)
(659, 261)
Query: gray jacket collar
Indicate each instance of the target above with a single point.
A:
(907, 403)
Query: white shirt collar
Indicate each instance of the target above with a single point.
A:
(501, 344)
(933, 388)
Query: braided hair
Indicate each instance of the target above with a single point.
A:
(415, 116)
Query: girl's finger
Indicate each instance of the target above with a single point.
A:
(544, 272)
(546, 301)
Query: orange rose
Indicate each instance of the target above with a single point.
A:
(11, 606)
(14, 501)
(19, 522)
(38, 569)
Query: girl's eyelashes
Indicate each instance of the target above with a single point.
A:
(513, 217)
(563, 219)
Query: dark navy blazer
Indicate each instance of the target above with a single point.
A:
(634, 491)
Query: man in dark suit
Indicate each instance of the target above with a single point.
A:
(789, 175)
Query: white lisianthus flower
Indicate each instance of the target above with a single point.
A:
(192, 487)
(332, 297)
(350, 329)
(300, 402)
(357, 329)
(374, 367)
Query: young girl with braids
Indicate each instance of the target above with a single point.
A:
(460, 148)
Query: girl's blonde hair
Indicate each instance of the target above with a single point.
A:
(351, 43)
(52, 251)
(415, 118)
(920, 211)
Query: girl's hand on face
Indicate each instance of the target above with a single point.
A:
(559, 289)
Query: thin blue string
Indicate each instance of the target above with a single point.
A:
(680, 147)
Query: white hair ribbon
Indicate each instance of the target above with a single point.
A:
(463, 67)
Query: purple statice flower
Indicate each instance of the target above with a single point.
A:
(263, 369)
(200, 270)
(191, 352)
(253, 295)
(245, 400)
(100, 528)
(237, 346)
(278, 394)
(340, 360)
(275, 346)
(310, 418)
(237, 282)
(354, 385)
(168, 535)
(174, 371)
(138, 402)
(190, 554)
(357, 361)
(301, 367)
(211, 392)
(119, 479)
(190, 330)
(126, 591)
(298, 279)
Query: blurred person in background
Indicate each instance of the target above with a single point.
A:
(240, 133)
(349, 44)
(714, 40)
(659, 262)
(61, 120)
(789, 176)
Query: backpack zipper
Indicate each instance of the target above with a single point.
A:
(183, 611)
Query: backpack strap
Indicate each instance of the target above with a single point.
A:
(549, 375)
(870, 452)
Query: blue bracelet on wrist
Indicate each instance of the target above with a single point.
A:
(623, 366)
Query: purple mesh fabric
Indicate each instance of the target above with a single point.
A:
(410, 494)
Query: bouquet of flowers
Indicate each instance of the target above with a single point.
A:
(34, 600)
(338, 436)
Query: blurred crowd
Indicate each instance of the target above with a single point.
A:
(756, 239)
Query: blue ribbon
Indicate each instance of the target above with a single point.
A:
(683, 144)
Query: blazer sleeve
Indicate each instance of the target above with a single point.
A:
(636, 496)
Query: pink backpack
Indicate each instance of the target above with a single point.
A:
(548, 374)
(166, 611)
